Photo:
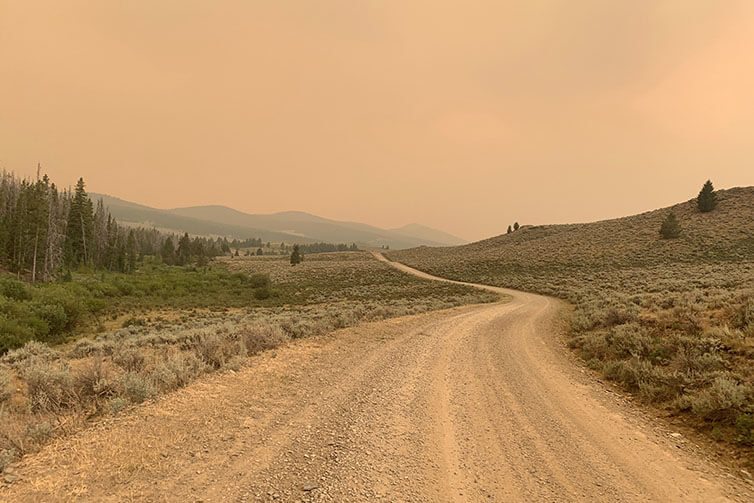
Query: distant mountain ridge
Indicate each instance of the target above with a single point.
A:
(287, 226)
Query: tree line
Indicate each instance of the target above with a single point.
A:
(46, 232)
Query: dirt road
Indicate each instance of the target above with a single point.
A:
(479, 403)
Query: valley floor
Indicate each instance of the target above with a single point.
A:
(475, 403)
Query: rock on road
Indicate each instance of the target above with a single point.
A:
(477, 403)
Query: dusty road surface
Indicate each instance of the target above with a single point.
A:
(479, 403)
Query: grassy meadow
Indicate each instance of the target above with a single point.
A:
(671, 320)
(162, 327)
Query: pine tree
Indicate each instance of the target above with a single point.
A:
(184, 250)
(131, 251)
(55, 239)
(295, 255)
(707, 199)
(110, 260)
(670, 228)
(168, 251)
(39, 220)
(509, 230)
(101, 221)
(80, 229)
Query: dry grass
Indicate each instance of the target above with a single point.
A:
(60, 389)
(671, 320)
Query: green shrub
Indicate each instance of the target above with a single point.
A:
(177, 371)
(692, 360)
(6, 388)
(216, 350)
(259, 281)
(258, 338)
(745, 428)
(14, 289)
(744, 316)
(51, 385)
(7, 456)
(39, 432)
(13, 334)
(32, 349)
(94, 380)
(129, 358)
(134, 322)
(70, 298)
(262, 293)
(235, 363)
(53, 314)
(135, 387)
(628, 340)
(723, 400)
(117, 404)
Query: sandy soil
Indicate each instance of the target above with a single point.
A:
(478, 403)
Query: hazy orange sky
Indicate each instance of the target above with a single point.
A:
(463, 115)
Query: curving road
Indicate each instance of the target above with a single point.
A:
(478, 403)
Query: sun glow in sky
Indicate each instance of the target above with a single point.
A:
(462, 115)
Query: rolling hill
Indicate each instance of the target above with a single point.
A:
(725, 234)
(289, 226)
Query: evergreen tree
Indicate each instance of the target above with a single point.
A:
(515, 226)
(707, 199)
(131, 251)
(184, 250)
(80, 229)
(670, 228)
(295, 255)
(168, 251)
(55, 238)
(509, 230)
(110, 260)
(101, 221)
(201, 257)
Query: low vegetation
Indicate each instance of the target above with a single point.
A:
(166, 342)
(55, 312)
(671, 320)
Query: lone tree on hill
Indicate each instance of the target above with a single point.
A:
(509, 230)
(707, 199)
(295, 255)
(670, 228)
(515, 226)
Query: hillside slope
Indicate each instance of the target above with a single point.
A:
(726, 234)
(289, 226)
(671, 320)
